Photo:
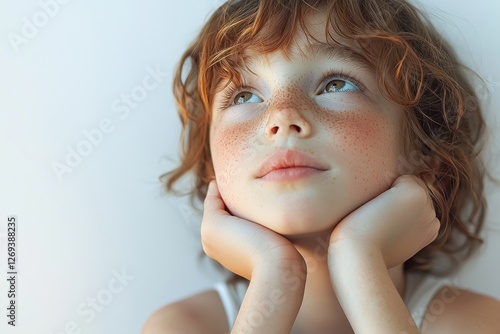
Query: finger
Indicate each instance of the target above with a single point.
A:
(411, 179)
(432, 232)
(213, 200)
(408, 178)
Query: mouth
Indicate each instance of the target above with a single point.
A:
(287, 165)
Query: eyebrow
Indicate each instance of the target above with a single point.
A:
(340, 52)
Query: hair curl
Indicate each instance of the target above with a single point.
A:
(416, 69)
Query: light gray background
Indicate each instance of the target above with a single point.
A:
(109, 214)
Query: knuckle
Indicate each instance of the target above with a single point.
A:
(206, 246)
(407, 178)
(435, 227)
(207, 231)
(416, 194)
(205, 228)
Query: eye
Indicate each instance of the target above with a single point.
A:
(246, 97)
(339, 85)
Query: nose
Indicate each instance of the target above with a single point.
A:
(287, 121)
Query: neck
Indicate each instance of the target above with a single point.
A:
(320, 311)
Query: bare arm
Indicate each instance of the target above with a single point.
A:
(381, 234)
(273, 299)
(274, 267)
(202, 313)
(366, 292)
(469, 313)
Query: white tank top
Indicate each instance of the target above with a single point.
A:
(419, 292)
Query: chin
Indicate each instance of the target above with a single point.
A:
(289, 215)
(297, 221)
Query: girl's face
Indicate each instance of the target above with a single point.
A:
(322, 109)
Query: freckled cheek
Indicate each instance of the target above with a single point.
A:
(366, 147)
(230, 148)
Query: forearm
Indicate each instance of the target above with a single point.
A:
(272, 300)
(366, 292)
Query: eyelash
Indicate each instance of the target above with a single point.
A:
(229, 92)
(343, 75)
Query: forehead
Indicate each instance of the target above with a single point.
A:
(316, 39)
(310, 52)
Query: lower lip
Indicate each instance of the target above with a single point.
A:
(290, 174)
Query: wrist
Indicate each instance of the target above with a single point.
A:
(347, 258)
(349, 248)
(274, 295)
(280, 259)
(281, 269)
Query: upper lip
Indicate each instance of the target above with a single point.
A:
(288, 159)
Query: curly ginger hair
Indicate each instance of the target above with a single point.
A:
(416, 69)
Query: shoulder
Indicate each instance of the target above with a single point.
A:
(454, 310)
(200, 313)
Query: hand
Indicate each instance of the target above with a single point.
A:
(398, 223)
(240, 245)
(383, 233)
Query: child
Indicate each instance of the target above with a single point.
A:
(335, 145)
